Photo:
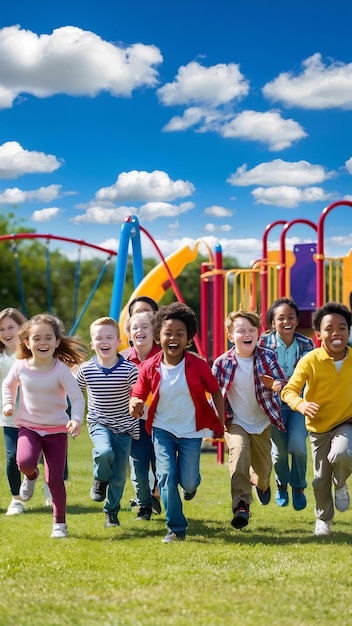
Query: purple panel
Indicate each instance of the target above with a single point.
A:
(303, 276)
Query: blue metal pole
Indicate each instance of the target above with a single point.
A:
(120, 271)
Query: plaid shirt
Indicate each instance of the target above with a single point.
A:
(265, 362)
(305, 344)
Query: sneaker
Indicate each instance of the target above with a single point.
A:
(189, 495)
(47, 495)
(263, 496)
(241, 515)
(16, 507)
(171, 536)
(322, 529)
(281, 495)
(144, 513)
(98, 490)
(342, 499)
(299, 500)
(59, 531)
(133, 503)
(27, 487)
(111, 520)
(156, 506)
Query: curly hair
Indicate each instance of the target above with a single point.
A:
(329, 309)
(71, 350)
(175, 311)
(15, 315)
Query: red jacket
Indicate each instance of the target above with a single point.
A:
(199, 379)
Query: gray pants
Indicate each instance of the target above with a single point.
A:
(332, 462)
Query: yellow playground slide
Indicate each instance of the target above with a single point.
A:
(157, 281)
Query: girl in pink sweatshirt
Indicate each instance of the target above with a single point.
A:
(42, 374)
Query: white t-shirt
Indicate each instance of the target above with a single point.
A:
(241, 396)
(175, 411)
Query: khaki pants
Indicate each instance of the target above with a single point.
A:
(332, 462)
(246, 451)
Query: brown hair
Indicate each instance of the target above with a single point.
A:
(71, 350)
(106, 321)
(251, 316)
(17, 317)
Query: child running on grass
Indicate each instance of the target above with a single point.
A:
(108, 378)
(180, 413)
(43, 376)
(325, 374)
(246, 376)
(289, 449)
(11, 321)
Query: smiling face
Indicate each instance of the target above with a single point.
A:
(245, 336)
(173, 340)
(105, 343)
(8, 334)
(334, 334)
(141, 330)
(42, 342)
(285, 323)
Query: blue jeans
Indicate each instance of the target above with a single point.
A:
(110, 461)
(292, 442)
(12, 471)
(177, 463)
(141, 460)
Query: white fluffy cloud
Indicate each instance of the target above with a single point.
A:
(279, 172)
(318, 86)
(144, 187)
(196, 84)
(268, 128)
(348, 165)
(45, 215)
(71, 61)
(147, 212)
(212, 228)
(288, 197)
(218, 211)
(16, 161)
(15, 195)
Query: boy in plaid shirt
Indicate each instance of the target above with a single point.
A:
(249, 377)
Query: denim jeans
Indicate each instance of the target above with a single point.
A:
(110, 461)
(12, 471)
(141, 460)
(177, 463)
(293, 442)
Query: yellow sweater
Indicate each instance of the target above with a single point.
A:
(324, 385)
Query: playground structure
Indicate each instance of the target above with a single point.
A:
(305, 274)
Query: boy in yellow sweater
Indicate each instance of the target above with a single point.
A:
(326, 376)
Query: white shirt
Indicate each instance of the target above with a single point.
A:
(241, 396)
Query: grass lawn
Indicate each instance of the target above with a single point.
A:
(275, 572)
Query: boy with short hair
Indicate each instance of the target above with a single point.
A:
(249, 376)
(108, 378)
(325, 374)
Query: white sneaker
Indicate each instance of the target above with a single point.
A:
(322, 528)
(27, 487)
(59, 531)
(16, 507)
(342, 499)
(47, 495)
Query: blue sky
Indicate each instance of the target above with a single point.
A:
(208, 120)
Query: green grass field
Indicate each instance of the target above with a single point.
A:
(275, 572)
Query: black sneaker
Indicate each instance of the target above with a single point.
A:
(241, 515)
(263, 496)
(144, 513)
(98, 490)
(111, 520)
(189, 495)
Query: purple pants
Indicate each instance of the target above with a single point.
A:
(54, 448)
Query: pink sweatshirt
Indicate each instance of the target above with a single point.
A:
(43, 396)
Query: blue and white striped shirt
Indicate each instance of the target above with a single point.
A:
(108, 392)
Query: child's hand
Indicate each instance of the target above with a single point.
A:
(271, 383)
(136, 407)
(73, 427)
(310, 409)
(8, 409)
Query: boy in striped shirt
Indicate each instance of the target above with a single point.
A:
(108, 378)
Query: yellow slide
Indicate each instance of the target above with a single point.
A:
(157, 282)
